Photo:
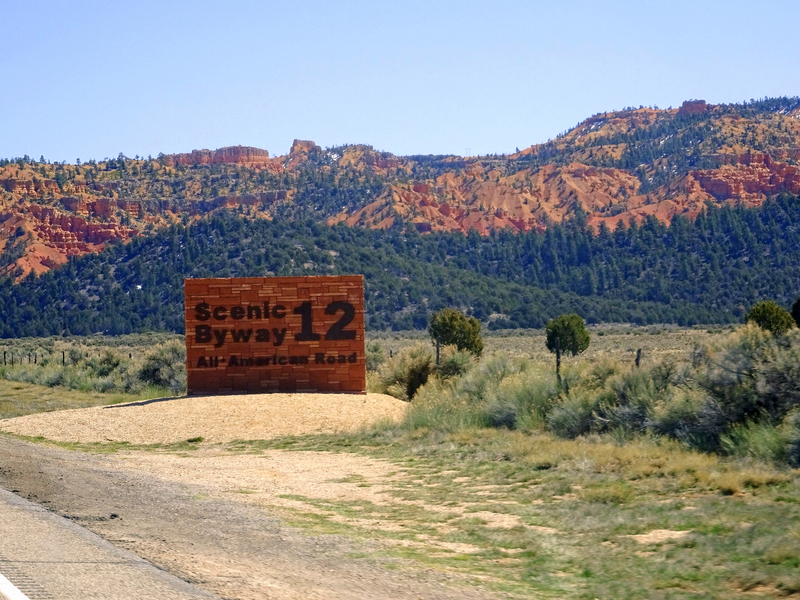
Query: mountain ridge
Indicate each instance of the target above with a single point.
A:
(616, 167)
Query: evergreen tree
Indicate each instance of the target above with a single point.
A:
(770, 316)
(566, 333)
(451, 327)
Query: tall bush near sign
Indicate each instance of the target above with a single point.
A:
(275, 334)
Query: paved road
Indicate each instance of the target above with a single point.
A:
(47, 557)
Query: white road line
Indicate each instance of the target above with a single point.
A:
(9, 591)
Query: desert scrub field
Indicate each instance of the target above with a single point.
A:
(671, 480)
(613, 342)
(676, 479)
(55, 373)
(736, 394)
(538, 516)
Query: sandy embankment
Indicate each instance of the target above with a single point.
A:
(214, 418)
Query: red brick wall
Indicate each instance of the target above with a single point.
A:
(275, 334)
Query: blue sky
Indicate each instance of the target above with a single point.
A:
(92, 79)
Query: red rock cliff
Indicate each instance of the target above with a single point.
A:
(241, 155)
(693, 107)
(752, 176)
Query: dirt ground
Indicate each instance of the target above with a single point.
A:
(214, 418)
(215, 518)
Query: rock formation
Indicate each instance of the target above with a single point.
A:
(299, 153)
(54, 236)
(238, 155)
(751, 177)
(486, 201)
(693, 107)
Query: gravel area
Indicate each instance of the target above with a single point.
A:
(214, 418)
(214, 519)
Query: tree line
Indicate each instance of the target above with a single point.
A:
(706, 271)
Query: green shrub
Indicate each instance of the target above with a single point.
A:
(741, 398)
(375, 356)
(104, 384)
(402, 375)
(762, 441)
(520, 401)
(574, 414)
(754, 374)
(778, 382)
(92, 363)
(791, 431)
(770, 316)
(667, 374)
(75, 355)
(107, 363)
(435, 408)
(53, 376)
(486, 375)
(628, 404)
(453, 362)
(600, 373)
(165, 367)
(678, 415)
(499, 391)
(501, 416)
(753, 377)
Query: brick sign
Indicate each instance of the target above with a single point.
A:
(275, 334)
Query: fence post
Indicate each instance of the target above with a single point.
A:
(4, 357)
(437, 352)
(638, 357)
(63, 358)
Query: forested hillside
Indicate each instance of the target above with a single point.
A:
(709, 270)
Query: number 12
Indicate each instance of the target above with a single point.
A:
(336, 331)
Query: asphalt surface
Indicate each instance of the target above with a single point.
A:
(47, 557)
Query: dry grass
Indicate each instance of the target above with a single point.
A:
(608, 342)
(532, 514)
(18, 399)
